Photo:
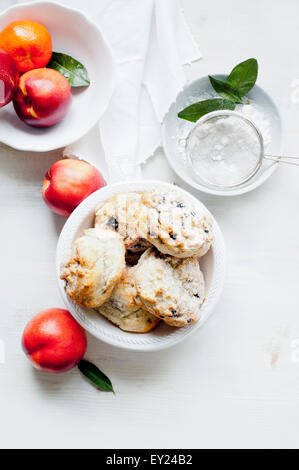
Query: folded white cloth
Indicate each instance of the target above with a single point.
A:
(151, 42)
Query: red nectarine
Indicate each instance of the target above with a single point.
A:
(43, 97)
(54, 341)
(68, 182)
(9, 76)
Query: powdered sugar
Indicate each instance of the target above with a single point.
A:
(252, 111)
(255, 113)
(224, 150)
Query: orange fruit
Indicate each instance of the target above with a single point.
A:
(28, 43)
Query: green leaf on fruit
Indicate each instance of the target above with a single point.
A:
(75, 72)
(95, 376)
(225, 90)
(197, 110)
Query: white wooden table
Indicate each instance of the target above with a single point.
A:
(236, 382)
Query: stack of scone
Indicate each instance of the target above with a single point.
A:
(140, 262)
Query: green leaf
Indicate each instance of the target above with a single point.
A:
(244, 76)
(197, 110)
(95, 376)
(75, 72)
(225, 90)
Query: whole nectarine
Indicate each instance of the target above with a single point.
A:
(68, 182)
(54, 341)
(9, 76)
(43, 97)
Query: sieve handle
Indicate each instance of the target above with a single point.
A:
(283, 159)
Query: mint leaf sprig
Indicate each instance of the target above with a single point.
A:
(240, 81)
(225, 90)
(243, 77)
(197, 110)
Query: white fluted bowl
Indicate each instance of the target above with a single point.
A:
(74, 34)
(164, 336)
(172, 138)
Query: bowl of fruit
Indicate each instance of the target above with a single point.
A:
(56, 76)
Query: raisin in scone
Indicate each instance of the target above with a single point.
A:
(123, 213)
(124, 309)
(96, 266)
(176, 227)
(173, 289)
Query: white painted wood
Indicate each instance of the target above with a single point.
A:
(234, 383)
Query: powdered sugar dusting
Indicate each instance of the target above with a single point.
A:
(252, 111)
(224, 150)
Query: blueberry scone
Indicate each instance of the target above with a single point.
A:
(123, 213)
(173, 289)
(124, 309)
(176, 227)
(96, 265)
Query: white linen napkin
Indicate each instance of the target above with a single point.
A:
(151, 42)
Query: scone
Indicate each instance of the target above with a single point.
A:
(123, 213)
(173, 289)
(175, 226)
(96, 265)
(124, 309)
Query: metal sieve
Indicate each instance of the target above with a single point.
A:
(205, 180)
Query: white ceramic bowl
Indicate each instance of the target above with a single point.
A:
(172, 136)
(213, 266)
(72, 33)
